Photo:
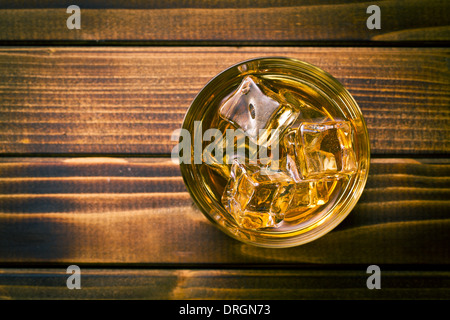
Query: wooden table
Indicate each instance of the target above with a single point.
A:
(86, 178)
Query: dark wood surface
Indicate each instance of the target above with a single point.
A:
(265, 284)
(85, 172)
(227, 21)
(138, 211)
(130, 100)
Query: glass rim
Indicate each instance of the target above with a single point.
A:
(317, 229)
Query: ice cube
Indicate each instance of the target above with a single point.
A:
(229, 148)
(324, 149)
(306, 110)
(258, 111)
(323, 190)
(310, 194)
(305, 195)
(257, 197)
(287, 157)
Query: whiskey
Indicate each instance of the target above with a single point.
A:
(297, 160)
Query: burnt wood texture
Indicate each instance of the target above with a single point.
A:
(137, 211)
(226, 21)
(86, 118)
(129, 100)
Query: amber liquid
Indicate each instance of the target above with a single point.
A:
(310, 199)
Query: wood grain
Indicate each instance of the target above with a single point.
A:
(130, 100)
(113, 210)
(186, 284)
(137, 211)
(230, 21)
(161, 4)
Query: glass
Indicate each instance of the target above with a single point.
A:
(298, 160)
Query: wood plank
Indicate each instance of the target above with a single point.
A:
(186, 284)
(245, 21)
(136, 211)
(129, 100)
(160, 4)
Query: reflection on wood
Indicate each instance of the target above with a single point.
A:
(137, 210)
(130, 100)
